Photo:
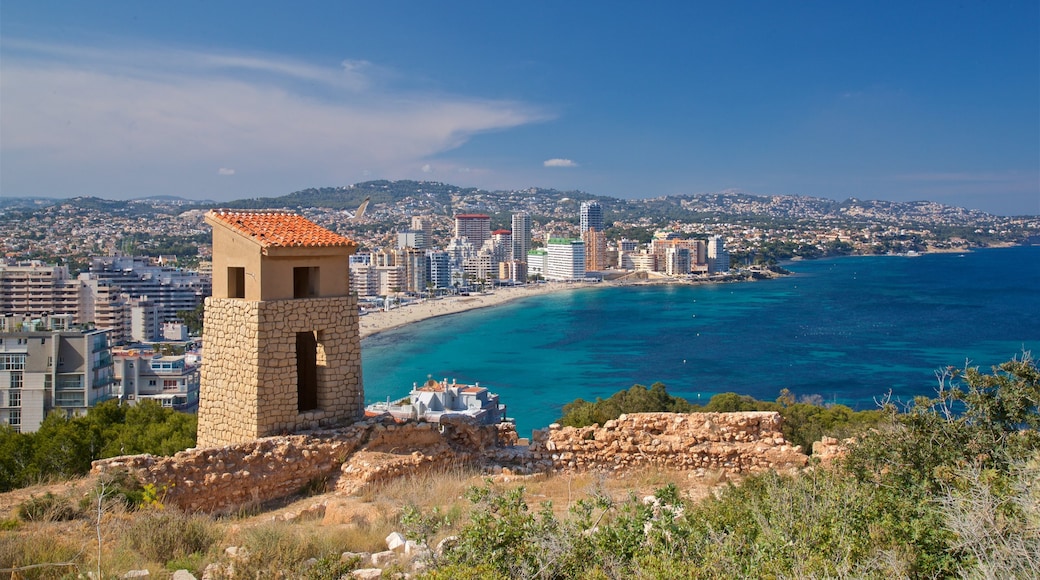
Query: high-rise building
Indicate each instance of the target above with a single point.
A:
(415, 270)
(591, 216)
(521, 235)
(718, 256)
(411, 239)
(424, 225)
(474, 227)
(41, 372)
(566, 259)
(438, 266)
(478, 269)
(595, 249)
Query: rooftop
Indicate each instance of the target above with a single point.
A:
(279, 229)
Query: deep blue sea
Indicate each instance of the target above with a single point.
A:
(848, 329)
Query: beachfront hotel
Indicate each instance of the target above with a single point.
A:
(565, 259)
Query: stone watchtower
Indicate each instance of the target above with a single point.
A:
(281, 345)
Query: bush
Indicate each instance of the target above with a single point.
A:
(637, 399)
(47, 508)
(165, 535)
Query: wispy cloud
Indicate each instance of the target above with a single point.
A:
(557, 162)
(122, 112)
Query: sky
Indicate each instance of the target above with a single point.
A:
(224, 100)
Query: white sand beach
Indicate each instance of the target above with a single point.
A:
(379, 321)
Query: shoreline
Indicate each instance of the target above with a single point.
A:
(375, 322)
(378, 321)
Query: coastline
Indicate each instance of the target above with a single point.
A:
(375, 322)
(378, 321)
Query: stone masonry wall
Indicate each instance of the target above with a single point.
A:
(735, 442)
(249, 375)
(230, 372)
(225, 479)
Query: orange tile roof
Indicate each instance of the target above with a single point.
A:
(279, 228)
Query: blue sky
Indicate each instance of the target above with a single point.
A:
(222, 100)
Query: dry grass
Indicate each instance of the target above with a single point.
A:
(361, 523)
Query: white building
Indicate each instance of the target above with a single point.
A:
(172, 381)
(677, 261)
(718, 256)
(537, 262)
(435, 400)
(566, 259)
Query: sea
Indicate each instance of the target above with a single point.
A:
(849, 330)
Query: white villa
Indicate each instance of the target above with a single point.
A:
(434, 400)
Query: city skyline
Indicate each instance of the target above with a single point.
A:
(885, 101)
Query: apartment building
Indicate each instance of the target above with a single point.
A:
(595, 250)
(566, 259)
(438, 265)
(591, 216)
(141, 374)
(474, 227)
(35, 289)
(44, 371)
(171, 290)
(521, 235)
(718, 256)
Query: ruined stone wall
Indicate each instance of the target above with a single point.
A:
(249, 376)
(226, 479)
(373, 451)
(735, 442)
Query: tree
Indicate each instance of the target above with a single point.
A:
(194, 319)
(985, 421)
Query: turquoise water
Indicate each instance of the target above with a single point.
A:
(848, 329)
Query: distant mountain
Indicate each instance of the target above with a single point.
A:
(26, 202)
(174, 199)
(399, 199)
(350, 196)
(445, 199)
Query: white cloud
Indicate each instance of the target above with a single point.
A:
(427, 168)
(559, 163)
(225, 171)
(142, 113)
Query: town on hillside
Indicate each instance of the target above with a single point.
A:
(117, 287)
